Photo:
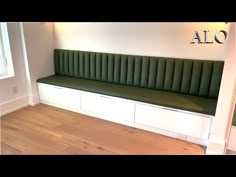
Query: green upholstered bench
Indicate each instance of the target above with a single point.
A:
(185, 84)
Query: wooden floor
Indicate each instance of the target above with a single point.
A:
(44, 129)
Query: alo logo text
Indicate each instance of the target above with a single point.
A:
(199, 40)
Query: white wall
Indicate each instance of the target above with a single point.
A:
(39, 41)
(14, 87)
(152, 39)
(226, 101)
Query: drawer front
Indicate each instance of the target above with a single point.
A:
(183, 123)
(193, 125)
(60, 95)
(113, 109)
(47, 93)
(154, 117)
(71, 98)
(121, 110)
(91, 103)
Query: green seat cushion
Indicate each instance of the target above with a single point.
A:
(163, 98)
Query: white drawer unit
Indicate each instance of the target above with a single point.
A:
(109, 107)
(154, 117)
(193, 125)
(171, 122)
(59, 96)
(175, 121)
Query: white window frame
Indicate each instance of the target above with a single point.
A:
(5, 44)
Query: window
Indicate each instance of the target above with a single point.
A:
(6, 66)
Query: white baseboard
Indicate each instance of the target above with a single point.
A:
(203, 142)
(34, 99)
(216, 146)
(13, 105)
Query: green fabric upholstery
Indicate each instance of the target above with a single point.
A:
(193, 77)
(164, 98)
(186, 84)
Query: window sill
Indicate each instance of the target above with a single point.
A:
(6, 77)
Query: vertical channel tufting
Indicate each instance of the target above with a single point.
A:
(110, 68)
(216, 79)
(61, 61)
(104, 67)
(81, 64)
(71, 61)
(160, 73)
(145, 71)
(76, 63)
(66, 67)
(168, 74)
(137, 70)
(117, 69)
(86, 65)
(92, 67)
(56, 61)
(205, 78)
(98, 66)
(124, 69)
(152, 72)
(186, 76)
(196, 77)
(130, 70)
(177, 75)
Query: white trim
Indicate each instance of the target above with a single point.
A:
(26, 64)
(5, 77)
(203, 142)
(13, 105)
(232, 139)
(219, 145)
(5, 44)
(216, 146)
(34, 99)
(230, 127)
(214, 153)
(217, 141)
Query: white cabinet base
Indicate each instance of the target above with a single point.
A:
(59, 96)
(184, 125)
(187, 124)
(111, 108)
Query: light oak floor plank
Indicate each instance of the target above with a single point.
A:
(44, 129)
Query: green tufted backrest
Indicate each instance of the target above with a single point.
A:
(187, 76)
